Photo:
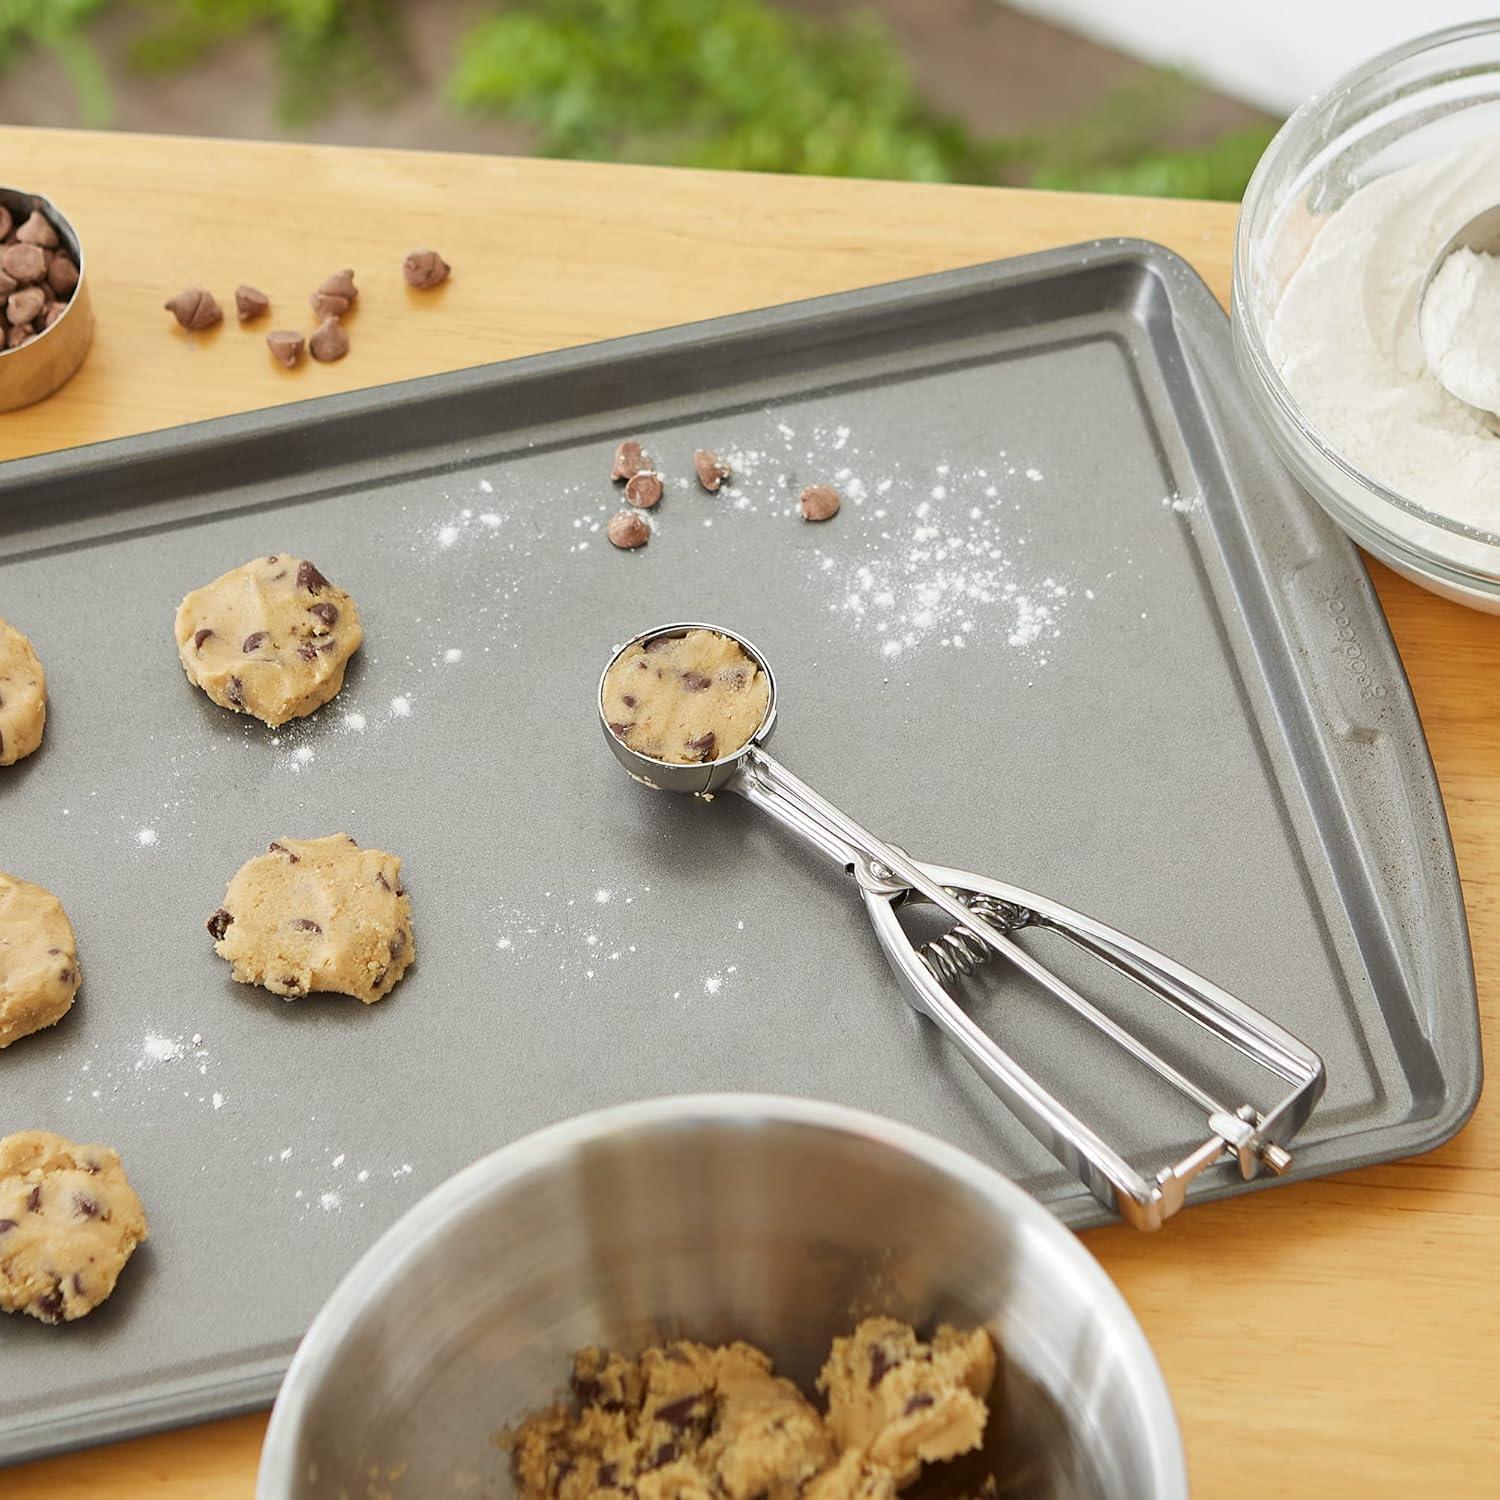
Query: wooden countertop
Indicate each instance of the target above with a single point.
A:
(1335, 1338)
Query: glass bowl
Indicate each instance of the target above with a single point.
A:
(1419, 101)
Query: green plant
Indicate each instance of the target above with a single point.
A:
(323, 47)
(738, 83)
(60, 27)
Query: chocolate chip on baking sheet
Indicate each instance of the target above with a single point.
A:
(820, 502)
(629, 460)
(711, 470)
(643, 489)
(254, 641)
(627, 530)
(327, 613)
(309, 578)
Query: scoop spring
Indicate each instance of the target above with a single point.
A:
(958, 953)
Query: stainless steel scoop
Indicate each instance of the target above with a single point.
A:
(987, 914)
(1482, 235)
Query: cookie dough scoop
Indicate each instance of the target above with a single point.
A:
(689, 707)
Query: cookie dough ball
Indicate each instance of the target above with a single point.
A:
(687, 698)
(270, 639)
(23, 696)
(69, 1221)
(39, 974)
(317, 914)
(902, 1402)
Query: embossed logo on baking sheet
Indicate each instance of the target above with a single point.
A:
(1349, 650)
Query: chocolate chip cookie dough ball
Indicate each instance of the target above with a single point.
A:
(39, 974)
(69, 1220)
(271, 639)
(686, 699)
(23, 697)
(317, 914)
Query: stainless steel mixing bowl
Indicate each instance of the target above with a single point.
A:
(780, 1221)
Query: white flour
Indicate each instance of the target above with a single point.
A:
(1460, 327)
(1345, 340)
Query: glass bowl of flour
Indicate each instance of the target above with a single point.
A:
(1354, 199)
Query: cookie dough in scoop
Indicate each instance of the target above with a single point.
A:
(270, 639)
(23, 696)
(317, 914)
(686, 698)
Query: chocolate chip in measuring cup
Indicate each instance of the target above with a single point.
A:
(62, 275)
(37, 230)
(24, 264)
(25, 305)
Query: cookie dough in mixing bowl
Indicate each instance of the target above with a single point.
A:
(686, 699)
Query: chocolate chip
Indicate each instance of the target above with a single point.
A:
(22, 333)
(917, 1402)
(6, 1225)
(52, 313)
(606, 1476)
(628, 699)
(306, 924)
(65, 975)
(62, 275)
(711, 470)
(329, 343)
(310, 579)
(286, 346)
(820, 502)
(381, 881)
(629, 460)
(194, 308)
(23, 263)
(586, 1388)
(340, 284)
(292, 986)
(705, 747)
(660, 643)
(327, 613)
(695, 682)
(199, 636)
(7, 223)
(683, 1412)
(250, 303)
(50, 1305)
(329, 645)
(627, 530)
(643, 489)
(34, 1199)
(253, 641)
(77, 1284)
(38, 231)
(235, 692)
(620, 730)
(25, 305)
(85, 1207)
(667, 1453)
(326, 305)
(397, 943)
(307, 652)
(425, 269)
(275, 848)
(379, 978)
(219, 923)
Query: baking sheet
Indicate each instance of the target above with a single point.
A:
(1073, 627)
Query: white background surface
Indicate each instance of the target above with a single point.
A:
(1272, 53)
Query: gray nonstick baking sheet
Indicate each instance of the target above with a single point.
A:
(1073, 626)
